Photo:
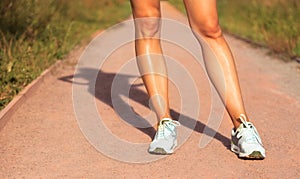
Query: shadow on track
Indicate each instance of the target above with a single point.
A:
(103, 93)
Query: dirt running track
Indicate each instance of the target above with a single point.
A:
(42, 138)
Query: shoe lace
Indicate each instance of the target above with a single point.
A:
(250, 127)
(166, 125)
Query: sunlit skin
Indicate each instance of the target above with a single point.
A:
(219, 62)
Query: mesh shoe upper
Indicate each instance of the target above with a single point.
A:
(246, 140)
(165, 139)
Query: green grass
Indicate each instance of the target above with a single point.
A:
(273, 23)
(34, 34)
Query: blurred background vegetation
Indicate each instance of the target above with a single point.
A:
(35, 33)
(271, 23)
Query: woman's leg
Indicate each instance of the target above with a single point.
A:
(153, 70)
(203, 19)
(150, 60)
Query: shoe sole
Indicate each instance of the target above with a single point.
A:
(162, 151)
(159, 151)
(255, 155)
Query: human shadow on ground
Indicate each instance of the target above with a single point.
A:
(103, 93)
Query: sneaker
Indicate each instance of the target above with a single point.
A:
(165, 139)
(246, 142)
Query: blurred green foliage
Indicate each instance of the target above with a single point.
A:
(36, 33)
(272, 23)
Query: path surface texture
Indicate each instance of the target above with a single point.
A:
(89, 116)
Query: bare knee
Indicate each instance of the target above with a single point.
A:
(148, 27)
(209, 29)
(147, 23)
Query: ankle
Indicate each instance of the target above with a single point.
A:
(166, 116)
(237, 121)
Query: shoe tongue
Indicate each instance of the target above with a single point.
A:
(165, 120)
(241, 126)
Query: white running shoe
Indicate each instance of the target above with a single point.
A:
(246, 142)
(165, 139)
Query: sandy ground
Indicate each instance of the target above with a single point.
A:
(43, 139)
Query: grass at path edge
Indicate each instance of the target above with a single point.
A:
(35, 34)
(271, 23)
